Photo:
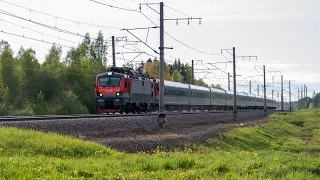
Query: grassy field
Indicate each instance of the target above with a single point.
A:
(287, 147)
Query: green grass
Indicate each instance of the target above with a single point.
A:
(288, 147)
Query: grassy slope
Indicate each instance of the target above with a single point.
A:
(285, 148)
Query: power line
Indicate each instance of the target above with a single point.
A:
(205, 37)
(34, 39)
(179, 40)
(177, 11)
(36, 31)
(57, 17)
(43, 25)
(190, 46)
(193, 37)
(125, 9)
(212, 36)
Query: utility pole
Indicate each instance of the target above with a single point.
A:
(264, 88)
(235, 110)
(306, 91)
(289, 95)
(258, 89)
(192, 63)
(278, 107)
(307, 97)
(301, 97)
(162, 116)
(229, 81)
(250, 87)
(272, 94)
(281, 92)
(113, 53)
(298, 98)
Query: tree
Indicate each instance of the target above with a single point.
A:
(52, 62)
(200, 82)
(177, 77)
(40, 106)
(217, 86)
(8, 76)
(68, 103)
(187, 74)
(48, 84)
(30, 70)
(4, 100)
(153, 70)
(99, 49)
(316, 101)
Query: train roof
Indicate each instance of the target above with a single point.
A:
(229, 92)
(242, 93)
(218, 90)
(200, 88)
(176, 84)
(251, 95)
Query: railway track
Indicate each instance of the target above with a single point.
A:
(88, 116)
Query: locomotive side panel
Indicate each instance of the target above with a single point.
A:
(141, 92)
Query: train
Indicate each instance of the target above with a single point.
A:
(125, 90)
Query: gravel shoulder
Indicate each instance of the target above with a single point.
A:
(134, 134)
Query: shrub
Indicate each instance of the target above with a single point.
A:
(26, 111)
(68, 103)
(40, 107)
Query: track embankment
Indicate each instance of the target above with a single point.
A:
(142, 133)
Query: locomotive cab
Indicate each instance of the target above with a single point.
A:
(110, 89)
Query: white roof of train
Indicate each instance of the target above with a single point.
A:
(218, 90)
(242, 93)
(175, 84)
(200, 88)
(229, 92)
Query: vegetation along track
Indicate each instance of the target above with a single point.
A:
(142, 133)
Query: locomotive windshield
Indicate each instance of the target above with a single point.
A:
(109, 81)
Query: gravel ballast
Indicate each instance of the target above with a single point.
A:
(142, 133)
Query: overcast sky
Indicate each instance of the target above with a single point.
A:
(284, 34)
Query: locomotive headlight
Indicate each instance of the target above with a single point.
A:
(118, 94)
(100, 95)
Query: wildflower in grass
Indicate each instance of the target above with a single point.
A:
(1, 149)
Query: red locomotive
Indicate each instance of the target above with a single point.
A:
(124, 90)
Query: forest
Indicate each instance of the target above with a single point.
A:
(64, 85)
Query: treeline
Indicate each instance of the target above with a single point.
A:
(178, 72)
(64, 85)
(54, 87)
